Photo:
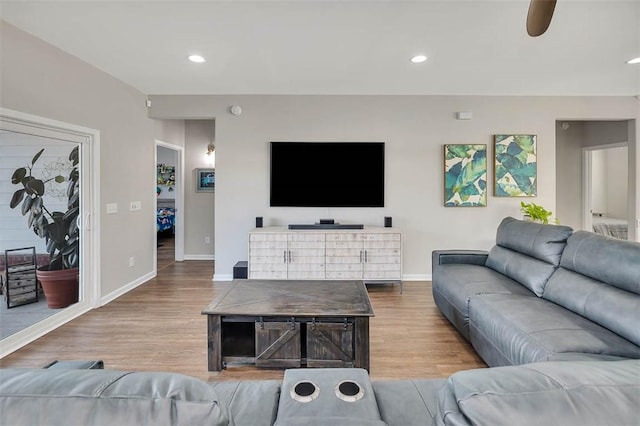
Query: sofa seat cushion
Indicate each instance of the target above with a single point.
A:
(407, 402)
(105, 397)
(509, 329)
(549, 393)
(456, 283)
(249, 402)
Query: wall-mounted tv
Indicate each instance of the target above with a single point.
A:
(327, 174)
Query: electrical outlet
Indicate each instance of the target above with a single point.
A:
(207, 240)
(135, 205)
(132, 261)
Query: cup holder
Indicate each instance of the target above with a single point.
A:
(305, 391)
(349, 391)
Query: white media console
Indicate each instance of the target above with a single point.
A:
(370, 254)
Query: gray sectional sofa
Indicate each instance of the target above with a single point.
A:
(543, 293)
(556, 313)
(551, 393)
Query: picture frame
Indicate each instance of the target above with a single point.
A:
(515, 165)
(465, 175)
(205, 180)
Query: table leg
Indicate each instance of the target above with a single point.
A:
(214, 342)
(361, 329)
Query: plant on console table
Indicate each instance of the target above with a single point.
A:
(536, 213)
(59, 278)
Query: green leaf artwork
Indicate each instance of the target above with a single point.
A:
(516, 166)
(465, 175)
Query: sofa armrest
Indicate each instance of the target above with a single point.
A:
(470, 257)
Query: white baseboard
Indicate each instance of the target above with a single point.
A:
(222, 277)
(24, 337)
(199, 257)
(127, 288)
(416, 277)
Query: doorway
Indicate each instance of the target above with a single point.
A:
(44, 148)
(606, 190)
(169, 188)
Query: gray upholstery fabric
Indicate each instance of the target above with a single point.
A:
(508, 329)
(612, 261)
(618, 310)
(469, 257)
(102, 397)
(528, 252)
(550, 393)
(531, 273)
(407, 402)
(326, 380)
(454, 284)
(249, 403)
(543, 242)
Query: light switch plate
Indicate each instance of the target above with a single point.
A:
(112, 208)
(135, 205)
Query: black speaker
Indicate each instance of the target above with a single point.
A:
(387, 221)
(258, 222)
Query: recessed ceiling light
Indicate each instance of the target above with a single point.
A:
(418, 59)
(634, 61)
(196, 58)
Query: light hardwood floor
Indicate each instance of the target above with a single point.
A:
(159, 327)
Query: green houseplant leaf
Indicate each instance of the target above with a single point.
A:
(59, 229)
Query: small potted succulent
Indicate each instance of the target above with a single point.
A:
(59, 279)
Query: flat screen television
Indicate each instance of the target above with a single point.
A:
(327, 174)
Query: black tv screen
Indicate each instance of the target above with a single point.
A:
(327, 174)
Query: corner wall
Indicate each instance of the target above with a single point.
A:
(415, 128)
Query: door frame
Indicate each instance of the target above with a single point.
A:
(179, 203)
(587, 196)
(90, 289)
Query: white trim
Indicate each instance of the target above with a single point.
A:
(90, 219)
(24, 337)
(416, 277)
(222, 277)
(199, 257)
(127, 288)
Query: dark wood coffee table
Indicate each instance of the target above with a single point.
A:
(288, 324)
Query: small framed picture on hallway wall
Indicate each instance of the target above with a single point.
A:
(205, 180)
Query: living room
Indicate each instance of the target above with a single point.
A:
(414, 122)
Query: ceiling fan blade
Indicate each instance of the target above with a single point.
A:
(539, 16)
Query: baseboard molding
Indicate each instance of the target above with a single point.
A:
(127, 288)
(199, 257)
(222, 277)
(416, 277)
(24, 337)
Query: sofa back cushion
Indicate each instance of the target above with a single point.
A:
(528, 252)
(546, 393)
(104, 397)
(599, 278)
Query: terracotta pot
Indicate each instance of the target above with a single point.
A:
(60, 287)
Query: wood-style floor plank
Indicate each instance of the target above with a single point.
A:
(158, 327)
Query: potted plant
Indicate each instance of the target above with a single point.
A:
(536, 213)
(59, 279)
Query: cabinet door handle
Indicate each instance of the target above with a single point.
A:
(284, 254)
(360, 256)
(290, 261)
(366, 257)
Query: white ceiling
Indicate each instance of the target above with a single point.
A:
(475, 47)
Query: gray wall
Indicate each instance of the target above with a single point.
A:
(199, 206)
(414, 129)
(38, 79)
